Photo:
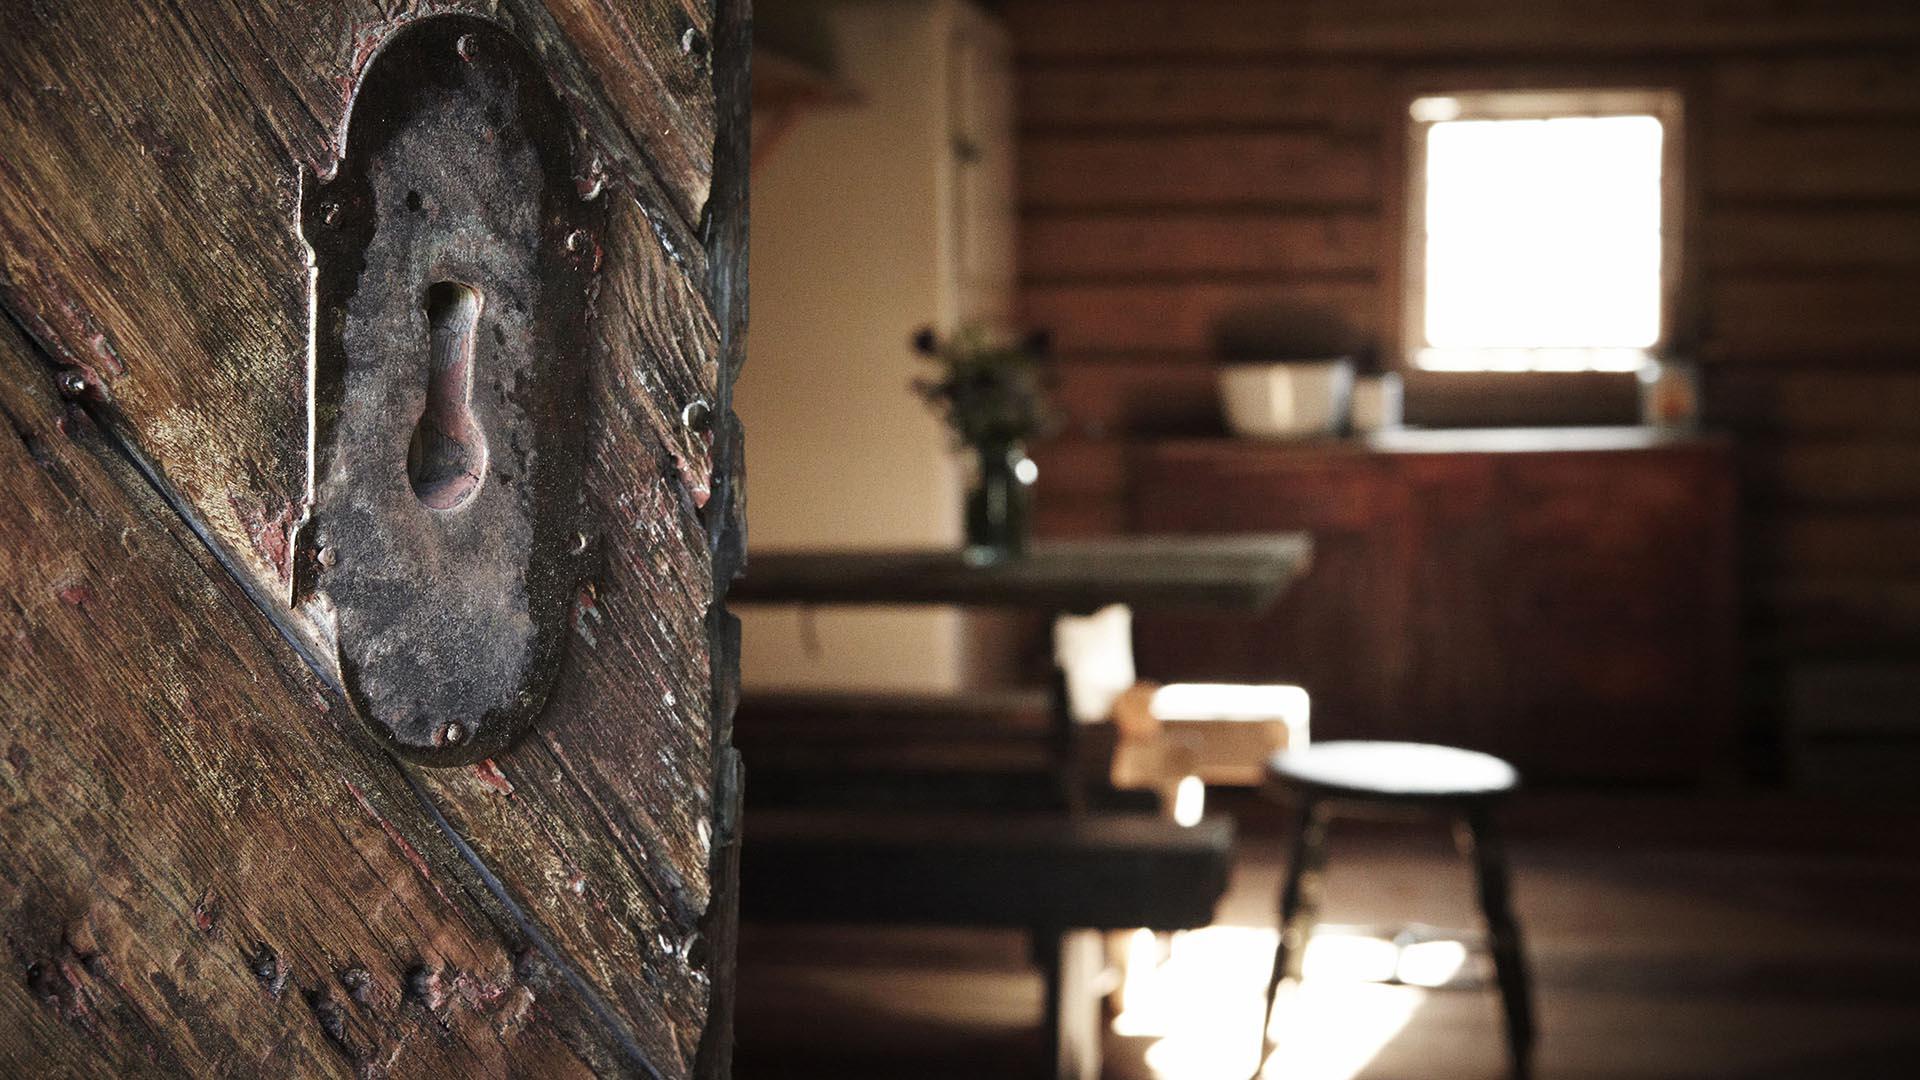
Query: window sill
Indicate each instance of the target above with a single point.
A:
(1469, 399)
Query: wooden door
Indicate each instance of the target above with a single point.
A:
(217, 855)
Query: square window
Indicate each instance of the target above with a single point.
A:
(1541, 236)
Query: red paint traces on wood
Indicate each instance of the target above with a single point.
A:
(103, 351)
(269, 530)
(399, 839)
(697, 485)
(490, 775)
(206, 913)
(58, 984)
(591, 183)
(586, 610)
(65, 328)
(75, 595)
(477, 994)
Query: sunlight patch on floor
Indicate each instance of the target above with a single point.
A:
(1201, 1001)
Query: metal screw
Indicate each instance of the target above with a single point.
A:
(697, 415)
(330, 215)
(73, 382)
(467, 47)
(453, 732)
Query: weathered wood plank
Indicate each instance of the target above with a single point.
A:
(1830, 161)
(207, 868)
(1201, 317)
(1858, 472)
(1794, 403)
(1779, 240)
(1080, 467)
(1815, 315)
(150, 243)
(1168, 244)
(1154, 29)
(636, 74)
(196, 335)
(1854, 617)
(1158, 396)
(1841, 542)
(1821, 87)
(1189, 169)
(644, 70)
(1343, 96)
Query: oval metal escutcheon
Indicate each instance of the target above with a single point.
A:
(453, 260)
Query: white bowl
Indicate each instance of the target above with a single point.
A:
(1292, 399)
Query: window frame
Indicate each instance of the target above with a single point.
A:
(1667, 103)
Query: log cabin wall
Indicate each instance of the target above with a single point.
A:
(1185, 163)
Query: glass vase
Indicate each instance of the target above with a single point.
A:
(1000, 506)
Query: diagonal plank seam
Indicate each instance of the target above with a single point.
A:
(524, 922)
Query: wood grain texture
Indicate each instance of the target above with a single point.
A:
(1160, 29)
(197, 335)
(1812, 239)
(1197, 168)
(1176, 155)
(208, 870)
(1212, 94)
(1172, 244)
(1147, 397)
(1832, 401)
(1860, 315)
(1839, 542)
(151, 164)
(1824, 86)
(1834, 160)
(1200, 318)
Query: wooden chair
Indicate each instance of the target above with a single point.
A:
(1462, 784)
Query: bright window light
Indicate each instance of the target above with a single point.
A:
(1543, 236)
(1189, 802)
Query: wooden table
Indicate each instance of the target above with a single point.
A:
(1246, 573)
(1236, 573)
(1240, 573)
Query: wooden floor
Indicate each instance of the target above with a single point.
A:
(1753, 938)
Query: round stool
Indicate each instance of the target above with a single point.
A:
(1462, 784)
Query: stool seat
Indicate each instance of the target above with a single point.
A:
(1464, 785)
(1393, 770)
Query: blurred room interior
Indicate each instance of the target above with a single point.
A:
(1579, 341)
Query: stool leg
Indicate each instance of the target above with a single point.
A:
(1299, 901)
(1482, 843)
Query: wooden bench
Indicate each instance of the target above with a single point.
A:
(1000, 750)
(1058, 876)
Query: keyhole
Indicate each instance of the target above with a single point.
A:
(447, 455)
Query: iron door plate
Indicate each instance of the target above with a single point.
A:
(453, 258)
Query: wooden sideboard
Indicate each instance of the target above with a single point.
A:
(1564, 598)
